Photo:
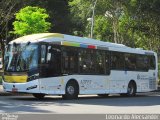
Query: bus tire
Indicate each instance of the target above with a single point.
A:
(71, 90)
(103, 95)
(131, 90)
(38, 95)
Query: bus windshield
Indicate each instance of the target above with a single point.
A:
(21, 57)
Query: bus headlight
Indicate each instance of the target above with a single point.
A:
(33, 77)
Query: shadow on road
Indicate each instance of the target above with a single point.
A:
(30, 104)
(139, 100)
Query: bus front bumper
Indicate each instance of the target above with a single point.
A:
(28, 87)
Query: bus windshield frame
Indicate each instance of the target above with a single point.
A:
(21, 57)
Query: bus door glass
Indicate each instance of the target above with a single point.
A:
(54, 61)
(50, 61)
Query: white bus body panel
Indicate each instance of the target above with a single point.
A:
(116, 82)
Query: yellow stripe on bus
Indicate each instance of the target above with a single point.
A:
(54, 35)
(37, 36)
(15, 79)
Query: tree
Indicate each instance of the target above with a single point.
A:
(103, 28)
(59, 13)
(7, 11)
(82, 9)
(31, 20)
(134, 23)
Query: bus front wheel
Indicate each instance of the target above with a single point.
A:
(38, 95)
(71, 91)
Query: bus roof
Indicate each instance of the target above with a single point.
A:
(57, 37)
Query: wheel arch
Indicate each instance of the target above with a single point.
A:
(133, 82)
(74, 81)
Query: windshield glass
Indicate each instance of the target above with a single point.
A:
(21, 57)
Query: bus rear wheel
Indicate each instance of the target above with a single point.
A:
(38, 95)
(71, 91)
(131, 90)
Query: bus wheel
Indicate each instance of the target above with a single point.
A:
(103, 95)
(71, 91)
(131, 90)
(38, 95)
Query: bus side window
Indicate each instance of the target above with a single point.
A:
(107, 63)
(100, 62)
(142, 63)
(130, 62)
(117, 61)
(43, 54)
(70, 60)
(92, 61)
(85, 61)
(152, 62)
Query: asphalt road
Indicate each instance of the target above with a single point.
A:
(92, 104)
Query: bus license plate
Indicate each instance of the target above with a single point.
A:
(14, 90)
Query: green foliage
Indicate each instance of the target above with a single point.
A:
(131, 22)
(31, 20)
(102, 28)
(80, 11)
(135, 23)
